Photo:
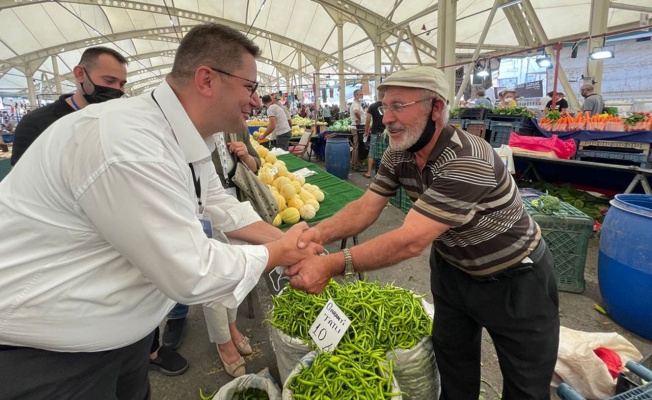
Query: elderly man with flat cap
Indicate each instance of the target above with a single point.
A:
(490, 267)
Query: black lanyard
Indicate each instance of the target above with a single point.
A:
(195, 180)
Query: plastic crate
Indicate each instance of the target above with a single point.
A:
(567, 234)
(510, 118)
(456, 122)
(529, 193)
(401, 201)
(477, 113)
(644, 392)
(7, 137)
(500, 132)
(477, 128)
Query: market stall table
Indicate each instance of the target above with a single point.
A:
(639, 174)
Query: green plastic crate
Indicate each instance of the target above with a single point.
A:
(567, 234)
(401, 201)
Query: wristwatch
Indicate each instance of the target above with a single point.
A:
(349, 272)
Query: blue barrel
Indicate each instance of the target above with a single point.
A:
(625, 262)
(338, 157)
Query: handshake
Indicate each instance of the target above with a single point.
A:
(300, 250)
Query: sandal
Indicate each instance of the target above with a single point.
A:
(244, 347)
(367, 176)
(236, 369)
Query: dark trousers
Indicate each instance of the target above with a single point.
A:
(521, 314)
(120, 374)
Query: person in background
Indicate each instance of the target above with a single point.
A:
(302, 111)
(123, 200)
(507, 98)
(372, 129)
(544, 101)
(100, 76)
(481, 100)
(490, 266)
(221, 321)
(593, 102)
(288, 114)
(358, 118)
(561, 105)
(278, 124)
(327, 115)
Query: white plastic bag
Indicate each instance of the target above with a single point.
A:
(262, 380)
(288, 350)
(507, 155)
(416, 371)
(579, 367)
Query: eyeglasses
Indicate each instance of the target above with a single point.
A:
(252, 90)
(397, 108)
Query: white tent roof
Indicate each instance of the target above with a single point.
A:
(148, 32)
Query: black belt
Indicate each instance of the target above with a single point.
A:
(518, 269)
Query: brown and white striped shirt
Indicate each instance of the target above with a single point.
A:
(464, 184)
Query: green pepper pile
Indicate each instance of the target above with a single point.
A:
(345, 376)
(383, 318)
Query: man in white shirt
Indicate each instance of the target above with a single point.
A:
(358, 118)
(105, 223)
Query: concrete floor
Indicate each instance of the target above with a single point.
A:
(206, 371)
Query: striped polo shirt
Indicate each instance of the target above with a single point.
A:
(465, 185)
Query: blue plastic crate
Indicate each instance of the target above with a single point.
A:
(500, 131)
(8, 137)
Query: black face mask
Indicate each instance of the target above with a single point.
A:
(427, 134)
(100, 94)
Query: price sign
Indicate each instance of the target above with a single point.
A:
(329, 327)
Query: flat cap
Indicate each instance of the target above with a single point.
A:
(421, 77)
(587, 86)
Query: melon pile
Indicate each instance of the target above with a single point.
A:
(296, 199)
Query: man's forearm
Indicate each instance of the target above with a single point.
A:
(257, 233)
(348, 222)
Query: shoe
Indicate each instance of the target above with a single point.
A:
(236, 369)
(173, 333)
(169, 362)
(244, 347)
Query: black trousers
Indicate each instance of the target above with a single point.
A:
(120, 374)
(521, 314)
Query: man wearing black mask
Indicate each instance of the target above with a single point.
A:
(100, 76)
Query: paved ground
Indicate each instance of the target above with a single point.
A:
(206, 370)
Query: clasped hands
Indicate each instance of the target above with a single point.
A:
(313, 270)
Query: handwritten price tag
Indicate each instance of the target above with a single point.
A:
(329, 327)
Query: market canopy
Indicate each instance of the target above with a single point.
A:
(39, 38)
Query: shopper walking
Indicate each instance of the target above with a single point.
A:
(122, 198)
(490, 266)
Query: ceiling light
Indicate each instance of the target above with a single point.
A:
(509, 4)
(484, 72)
(544, 61)
(602, 53)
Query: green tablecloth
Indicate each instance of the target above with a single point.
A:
(5, 167)
(337, 192)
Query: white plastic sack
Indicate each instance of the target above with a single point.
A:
(307, 361)
(262, 380)
(416, 371)
(507, 155)
(288, 350)
(578, 366)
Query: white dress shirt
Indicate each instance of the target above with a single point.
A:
(100, 228)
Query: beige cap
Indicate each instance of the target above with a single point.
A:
(419, 77)
(587, 86)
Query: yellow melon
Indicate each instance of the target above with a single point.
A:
(290, 215)
(307, 212)
(277, 220)
(296, 203)
(288, 191)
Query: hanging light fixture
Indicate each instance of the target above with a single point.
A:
(602, 53)
(544, 61)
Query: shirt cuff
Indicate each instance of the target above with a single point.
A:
(257, 257)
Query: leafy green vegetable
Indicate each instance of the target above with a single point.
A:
(546, 204)
(514, 111)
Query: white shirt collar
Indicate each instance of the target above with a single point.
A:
(194, 147)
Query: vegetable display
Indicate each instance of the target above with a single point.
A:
(546, 204)
(592, 206)
(513, 111)
(345, 376)
(383, 318)
(251, 394)
(341, 125)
